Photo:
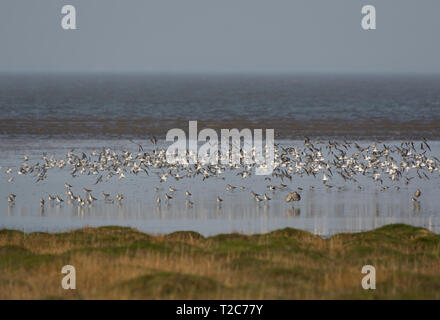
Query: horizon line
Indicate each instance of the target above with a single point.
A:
(248, 72)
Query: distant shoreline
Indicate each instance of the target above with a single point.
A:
(284, 129)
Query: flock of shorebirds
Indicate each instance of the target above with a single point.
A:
(329, 161)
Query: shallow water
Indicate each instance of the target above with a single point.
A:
(321, 211)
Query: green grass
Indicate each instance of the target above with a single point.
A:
(123, 263)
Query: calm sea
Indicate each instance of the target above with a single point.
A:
(135, 105)
(45, 116)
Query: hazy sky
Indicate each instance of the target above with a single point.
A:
(220, 35)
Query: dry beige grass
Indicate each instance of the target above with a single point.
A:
(122, 263)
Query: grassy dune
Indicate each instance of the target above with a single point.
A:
(123, 263)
